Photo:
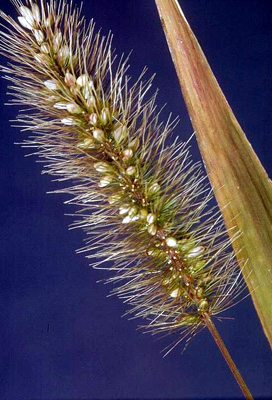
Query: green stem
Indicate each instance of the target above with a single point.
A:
(218, 340)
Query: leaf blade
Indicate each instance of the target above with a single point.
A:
(241, 185)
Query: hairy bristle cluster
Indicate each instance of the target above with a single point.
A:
(144, 204)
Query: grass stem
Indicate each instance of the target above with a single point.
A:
(215, 334)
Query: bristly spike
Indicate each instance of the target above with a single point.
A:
(148, 213)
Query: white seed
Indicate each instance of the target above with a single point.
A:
(105, 181)
(127, 154)
(91, 102)
(102, 167)
(151, 218)
(74, 90)
(69, 79)
(41, 58)
(25, 23)
(57, 39)
(98, 134)
(119, 134)
(131, 171)
(91, 84)
(154, 188)
(50, 85)
(114, 199)
(196, 251)
(93, 119)
(26, 12)
(151, 252)
(86, 93)
(45, 48)
(60, 106)
(152, 229)
(68, 121)
(87, 90)
(134, 144)
(86, 144)
(133, 211)
(175, 293)
(27, 15)
(202, 305)
(82, 80)
(36, 12)
(143, 213)
(53, 98)
(39, 36)
(73, 108)
(199, 291)
(171, 242)
(127, 220)
(124, 210)
(105, 116)
(64, 53)
(48, 21)
(199, 265)
(186, 244)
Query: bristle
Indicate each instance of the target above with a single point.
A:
(144, 204)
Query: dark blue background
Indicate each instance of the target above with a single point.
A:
(61, 337)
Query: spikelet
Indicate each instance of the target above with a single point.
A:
(144, 204)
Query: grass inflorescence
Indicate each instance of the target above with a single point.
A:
(143, 203)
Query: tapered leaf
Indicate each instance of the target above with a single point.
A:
(241, 185)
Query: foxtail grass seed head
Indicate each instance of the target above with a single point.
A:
(149, 204)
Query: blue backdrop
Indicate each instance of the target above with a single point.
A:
(61, 337)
